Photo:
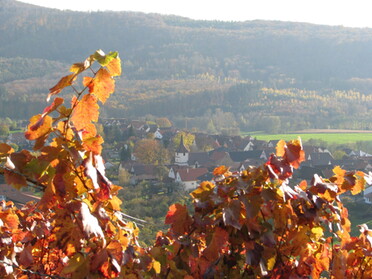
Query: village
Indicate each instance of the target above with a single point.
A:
(185, 159)
(194, 156)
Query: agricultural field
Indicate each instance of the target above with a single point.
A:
(329, 136)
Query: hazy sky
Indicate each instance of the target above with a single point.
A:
(354, 13)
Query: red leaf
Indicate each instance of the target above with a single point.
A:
(219, 240)
(179, 219)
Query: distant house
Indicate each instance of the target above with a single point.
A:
(319, 159)
(189, 177)
(272, 143)
(142, 172)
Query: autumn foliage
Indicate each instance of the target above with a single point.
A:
(251, 224)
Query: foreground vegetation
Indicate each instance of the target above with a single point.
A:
(248, 225)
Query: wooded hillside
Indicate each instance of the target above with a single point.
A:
(168, 59)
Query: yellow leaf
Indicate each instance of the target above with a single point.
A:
(271, 262)
(114, 67)
(115, 203)
(316, 233)
(156, 266)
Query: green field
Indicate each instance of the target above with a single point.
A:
(338, 138)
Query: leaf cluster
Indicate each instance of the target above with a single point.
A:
(244, 225)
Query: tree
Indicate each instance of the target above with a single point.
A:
(163, 122)
(243, 225)
(188, 139)
(150, 152)
(4, 130)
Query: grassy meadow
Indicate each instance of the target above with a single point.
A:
(334, 137)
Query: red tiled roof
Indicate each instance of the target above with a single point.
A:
(190, 174)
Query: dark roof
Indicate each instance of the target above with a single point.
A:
(201, 157)
(308, 172)
(142, 169)
(240, 156)
(320, 158)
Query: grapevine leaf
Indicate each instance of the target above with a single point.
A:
(93, 144)
(179, 219)
(85, 112)
(77, 68)
(291, 151)
(219, 240)
(114, 67)
(62, 83)
(280, 148)
(220, 170)
(203, 191)
(39, 127)
(90, 223)
(104, 59)
(5, 150)
(231, 214)
(15, 179)
(10, 220)
(101, 86)
(56, 103)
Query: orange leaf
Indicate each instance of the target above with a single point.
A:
(38, 127)
(220, 170)
(10, 220)
(280, 148)
(5, 149)
(101, 86)
(94, 144)
(85, 112)
(63, 82)
(114, 67)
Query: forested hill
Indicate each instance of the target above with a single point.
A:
(207, 56)
(161, 46)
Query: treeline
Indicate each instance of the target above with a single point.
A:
(251, 107)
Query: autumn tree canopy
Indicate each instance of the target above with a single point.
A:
(250, 224)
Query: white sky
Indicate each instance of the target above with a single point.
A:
(354, 13)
